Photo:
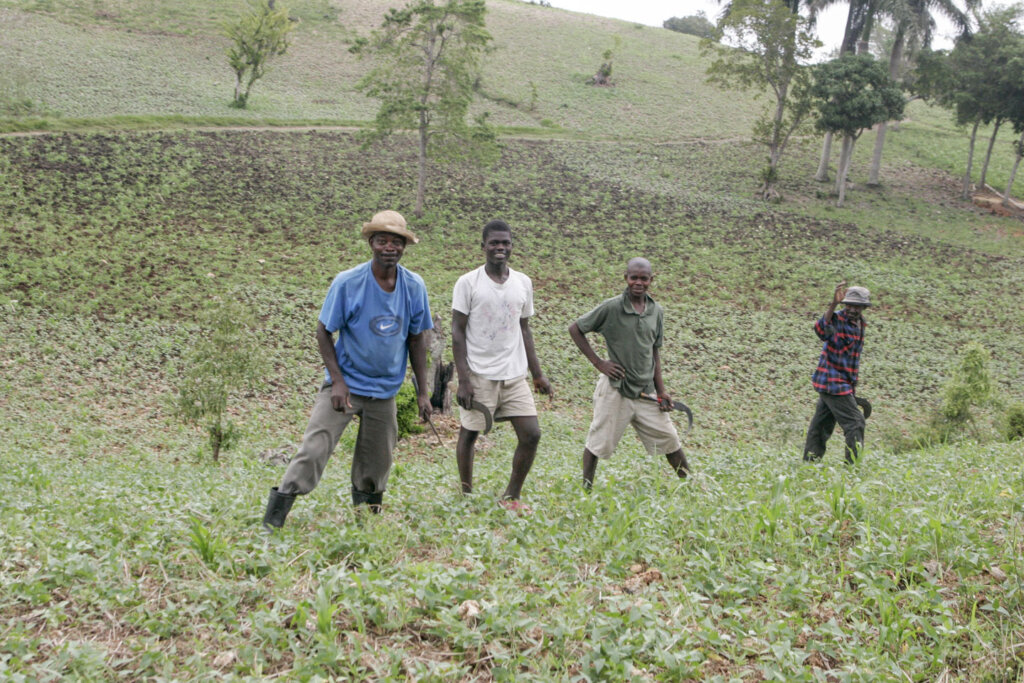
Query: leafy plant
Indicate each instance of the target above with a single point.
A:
(222, 361)
(970, 387)
(426, 64)
(208, 546)
(257, 36)
(1013, 422)
(408, 411)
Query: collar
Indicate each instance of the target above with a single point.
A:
(841, 315)
(627, 304)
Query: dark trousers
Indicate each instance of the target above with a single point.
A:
(371, 462)
(830, 410)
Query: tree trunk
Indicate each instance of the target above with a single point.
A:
(841, 167)
(826, 151)
(965, 193)
(775, 145)
(876, 157)
(421, 183)
(988, 154)
(439, 372)
(1013, 172)
(216, 438)
(844, 167)
(894, 68)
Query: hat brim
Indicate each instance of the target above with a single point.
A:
(371, 227)
(856, 303)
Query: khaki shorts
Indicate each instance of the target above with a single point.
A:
(613, 412)
(504, 398)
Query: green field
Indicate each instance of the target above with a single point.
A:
(126, 554)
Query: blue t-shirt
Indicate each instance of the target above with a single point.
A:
(373, 326)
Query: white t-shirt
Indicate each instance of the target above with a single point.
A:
(494, 340)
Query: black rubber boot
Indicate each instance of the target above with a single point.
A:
(278, 506)
(373, 500)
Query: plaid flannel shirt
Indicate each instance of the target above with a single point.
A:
(840, 355)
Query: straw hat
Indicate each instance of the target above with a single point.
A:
(389, 221)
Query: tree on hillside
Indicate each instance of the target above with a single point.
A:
(913, 25)
(768, 45)
(858, 17)
(257, 36)
(1014, 103)
(853, 93)
(976, 80)
(694, 25)
(936, 81)
(426, 59)
(999, 43)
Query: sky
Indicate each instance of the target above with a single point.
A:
(831, 22)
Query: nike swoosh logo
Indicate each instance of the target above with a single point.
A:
(383, 327)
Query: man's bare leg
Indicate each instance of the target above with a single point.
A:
(464, 452)
(528, 435)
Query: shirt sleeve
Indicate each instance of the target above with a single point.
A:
(332, 313)
(594, 320)
(824, 330)
(420, 319)
(659, 333)
(528, 305)
(462, 295)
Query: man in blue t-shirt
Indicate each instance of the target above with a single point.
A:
(379, 311)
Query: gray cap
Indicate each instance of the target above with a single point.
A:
(858, 296)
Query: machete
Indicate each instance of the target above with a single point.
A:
(476, 405)
(865, 405)
(676, 405)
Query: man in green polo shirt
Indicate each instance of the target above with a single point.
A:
(631, 325)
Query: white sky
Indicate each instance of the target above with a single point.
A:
(653, 12)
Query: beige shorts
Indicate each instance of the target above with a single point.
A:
(504, 398)
(613, 412)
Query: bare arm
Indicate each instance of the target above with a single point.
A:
(418, 358)
(339, 390)
(464, 393)
(417, 344)
(664, 398)
(607, 367)
(837, 298)
(540, 382)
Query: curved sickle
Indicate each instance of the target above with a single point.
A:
(865, 405)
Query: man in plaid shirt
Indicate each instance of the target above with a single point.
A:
(835, 380)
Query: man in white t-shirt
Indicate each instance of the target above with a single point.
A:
(493, 348)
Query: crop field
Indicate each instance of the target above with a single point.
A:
(127, 554)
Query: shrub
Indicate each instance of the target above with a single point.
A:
(408, 411)
(1013, 422)
(220, 362)
(970, 387)
(694, 25)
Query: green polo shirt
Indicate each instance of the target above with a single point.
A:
(631, 338)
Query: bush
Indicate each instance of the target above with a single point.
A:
(1013, 422)
(221, 361)
(694, 25)
(970, 387)
(408, 411)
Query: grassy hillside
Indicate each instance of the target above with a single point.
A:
(125, 554)
(89, 61)
(768, 567)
